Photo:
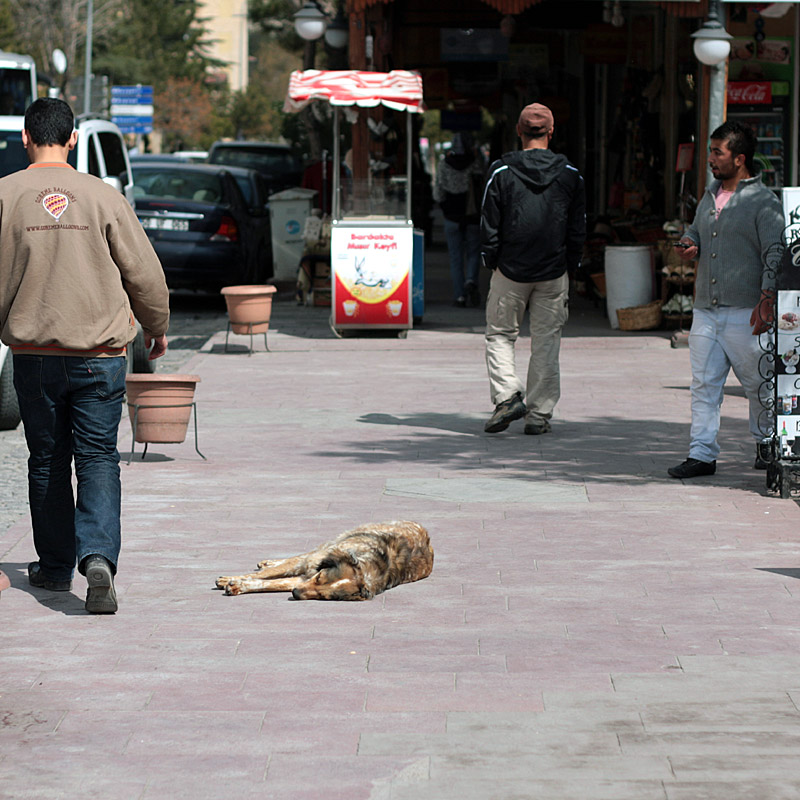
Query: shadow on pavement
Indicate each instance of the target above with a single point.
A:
(66, 603)
(611, 449)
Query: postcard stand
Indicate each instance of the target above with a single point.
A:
(780, 369)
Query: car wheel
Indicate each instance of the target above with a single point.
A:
(9, 407)
(138, 360)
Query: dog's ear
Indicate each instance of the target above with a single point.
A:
(352, 559)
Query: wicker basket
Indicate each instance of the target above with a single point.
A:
(640, 318)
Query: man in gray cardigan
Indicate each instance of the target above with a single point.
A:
(738, 225)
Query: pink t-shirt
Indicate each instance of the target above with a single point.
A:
(723, 195)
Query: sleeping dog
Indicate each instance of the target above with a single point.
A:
(356, 565)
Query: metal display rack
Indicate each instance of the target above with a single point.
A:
(779, 368)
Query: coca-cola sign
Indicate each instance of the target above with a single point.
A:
(750, 92)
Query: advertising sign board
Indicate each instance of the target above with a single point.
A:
(371, 274)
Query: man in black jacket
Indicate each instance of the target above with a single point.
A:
(533, 225)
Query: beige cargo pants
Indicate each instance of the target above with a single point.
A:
(505, 309)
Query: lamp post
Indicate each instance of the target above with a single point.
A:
(310, 23)
(712, 45)
(87, 75)
(337, 33)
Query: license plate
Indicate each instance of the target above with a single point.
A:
(165, 224)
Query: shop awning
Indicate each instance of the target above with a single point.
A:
(398, 89)
(503, 6)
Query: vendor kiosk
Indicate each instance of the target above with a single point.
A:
(372, 232)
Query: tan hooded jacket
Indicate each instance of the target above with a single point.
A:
(75, 266)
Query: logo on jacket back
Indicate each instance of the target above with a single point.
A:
(55, 204)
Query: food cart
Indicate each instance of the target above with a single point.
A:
(373, 241)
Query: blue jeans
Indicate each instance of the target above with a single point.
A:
(722, 339)
(463, 248)
(71, 408)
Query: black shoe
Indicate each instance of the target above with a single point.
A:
(460, 302)
(505, 413)
(473, 294)
(692, 468)
(537, 428)
(36, 578)
(100, 596)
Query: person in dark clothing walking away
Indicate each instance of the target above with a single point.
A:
(533, 227)
(75, 266)
(458, 189)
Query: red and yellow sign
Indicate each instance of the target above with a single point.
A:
(371, 268)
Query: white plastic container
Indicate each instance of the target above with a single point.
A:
(629, 278)
(287, 213)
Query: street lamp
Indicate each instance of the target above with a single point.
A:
(310, 22)
(712, 43)
(338, 31)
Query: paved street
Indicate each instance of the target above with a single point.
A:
(195, 317)
(592, 630)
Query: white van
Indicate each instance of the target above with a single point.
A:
(101, 152)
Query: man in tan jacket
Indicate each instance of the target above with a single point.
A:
(75, 268)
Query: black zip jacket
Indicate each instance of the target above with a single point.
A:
(533, 216)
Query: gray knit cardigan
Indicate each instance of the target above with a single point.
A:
(736, 246)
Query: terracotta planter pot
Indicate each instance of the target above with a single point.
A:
(249, 307)
(164, 405)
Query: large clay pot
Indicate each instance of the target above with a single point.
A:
(164, 405)
(249, 307)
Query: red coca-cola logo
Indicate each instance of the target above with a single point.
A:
(745, 92)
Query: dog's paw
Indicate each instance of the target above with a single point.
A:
(233, 587)
(267, 562)
(222, 582)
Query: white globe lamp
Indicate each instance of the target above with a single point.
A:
(712, 43)
(310, 23)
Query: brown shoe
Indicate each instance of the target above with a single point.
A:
(505, 413)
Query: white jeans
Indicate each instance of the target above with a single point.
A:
(721, 339)
(505, 308)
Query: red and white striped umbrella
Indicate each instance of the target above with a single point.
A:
(398, 89)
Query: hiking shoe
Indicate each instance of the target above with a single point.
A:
(692, 468)
(505, 413)
(473, 294)
(100, 596)
(537, 428)
(36, 578)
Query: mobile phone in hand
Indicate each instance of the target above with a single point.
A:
(682, 245)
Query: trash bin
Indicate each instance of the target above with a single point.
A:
(629, 278)
(288, 211)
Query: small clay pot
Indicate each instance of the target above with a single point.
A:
(249, 307)
(164, 405)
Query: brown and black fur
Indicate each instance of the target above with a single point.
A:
(356, 565)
